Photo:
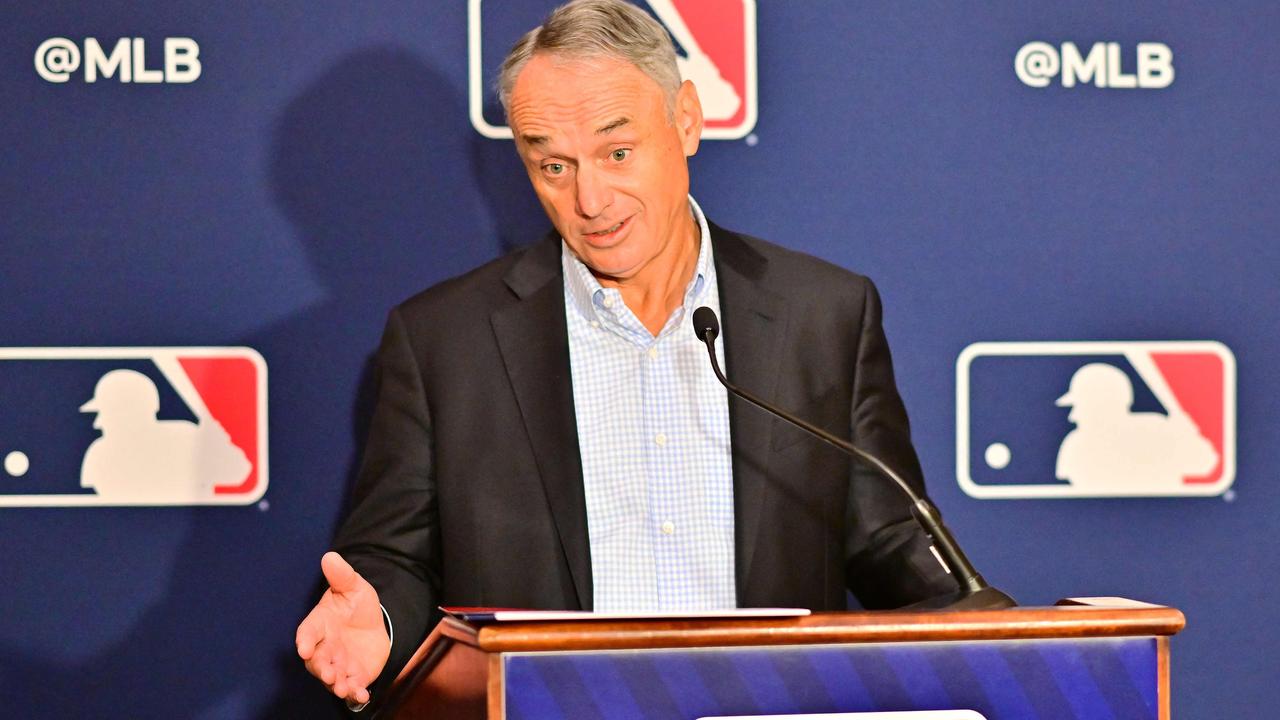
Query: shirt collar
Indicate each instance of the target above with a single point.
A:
(586, 295)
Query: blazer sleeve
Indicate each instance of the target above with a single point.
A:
(888, 562)
(392, 531)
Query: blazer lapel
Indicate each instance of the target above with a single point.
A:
(533, 338)
(754, 326)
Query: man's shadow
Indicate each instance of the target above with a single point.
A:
(372, 166)
(510, 201)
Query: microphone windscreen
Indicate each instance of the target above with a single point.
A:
(705, 323)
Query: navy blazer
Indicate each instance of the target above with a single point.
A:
(470, 490)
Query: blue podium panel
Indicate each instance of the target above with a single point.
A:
(1058, 679)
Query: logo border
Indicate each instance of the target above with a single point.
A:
(475, 80)
(1110, 347)
(147, 353)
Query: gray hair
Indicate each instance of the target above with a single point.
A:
(595, 29)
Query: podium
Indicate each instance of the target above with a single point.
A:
(1088, 658)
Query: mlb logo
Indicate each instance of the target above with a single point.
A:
(132, 426)
(715, 45)
(1095, 419)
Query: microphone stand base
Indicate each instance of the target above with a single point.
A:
(988, 598)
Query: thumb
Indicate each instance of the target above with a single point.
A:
(342, 578)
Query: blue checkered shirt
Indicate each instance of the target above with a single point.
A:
(653, 432)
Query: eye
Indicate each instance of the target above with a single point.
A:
(620, 154)
(553, 168)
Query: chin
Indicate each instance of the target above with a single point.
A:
(612, 271)
(610, 260)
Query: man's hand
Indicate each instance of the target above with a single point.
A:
(343, 639)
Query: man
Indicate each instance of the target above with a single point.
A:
(548, 432)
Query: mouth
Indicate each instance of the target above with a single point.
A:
(607, 235)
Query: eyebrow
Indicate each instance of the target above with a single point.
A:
(541, 140)
(613, 126)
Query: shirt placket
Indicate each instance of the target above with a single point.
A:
(664, 438)
(630, 339)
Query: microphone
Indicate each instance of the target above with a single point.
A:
(974, 591)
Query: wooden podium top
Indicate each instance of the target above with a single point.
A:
(1063, 620)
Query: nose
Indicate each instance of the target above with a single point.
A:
(594, 195)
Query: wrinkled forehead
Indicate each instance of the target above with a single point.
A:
(554, 94)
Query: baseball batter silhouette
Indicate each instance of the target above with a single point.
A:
(140, 459)
(1114, 450)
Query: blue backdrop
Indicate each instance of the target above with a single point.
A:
(323, 166)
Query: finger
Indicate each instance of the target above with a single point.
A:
(318, 670)
(342, 578)
(356, 693)
(319, 662)
(309, 634)
(339, 662)
(340, 686)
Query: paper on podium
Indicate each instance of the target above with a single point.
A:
(480, 615)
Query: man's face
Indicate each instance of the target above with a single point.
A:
(607, 161)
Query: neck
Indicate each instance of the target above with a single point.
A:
(655, 293)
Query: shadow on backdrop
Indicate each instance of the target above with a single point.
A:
(370, 165)
(504, 184)
(362, 162)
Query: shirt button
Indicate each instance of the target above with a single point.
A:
(653, 353)
(668, 528)
(661, 439)
(608, 302)
(595, 323)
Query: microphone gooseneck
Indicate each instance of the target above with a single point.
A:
(974, 590)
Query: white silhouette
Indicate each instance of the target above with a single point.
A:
(1116, 451)
(720, 101)
(140, 459)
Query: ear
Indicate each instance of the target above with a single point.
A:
(688, 118)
